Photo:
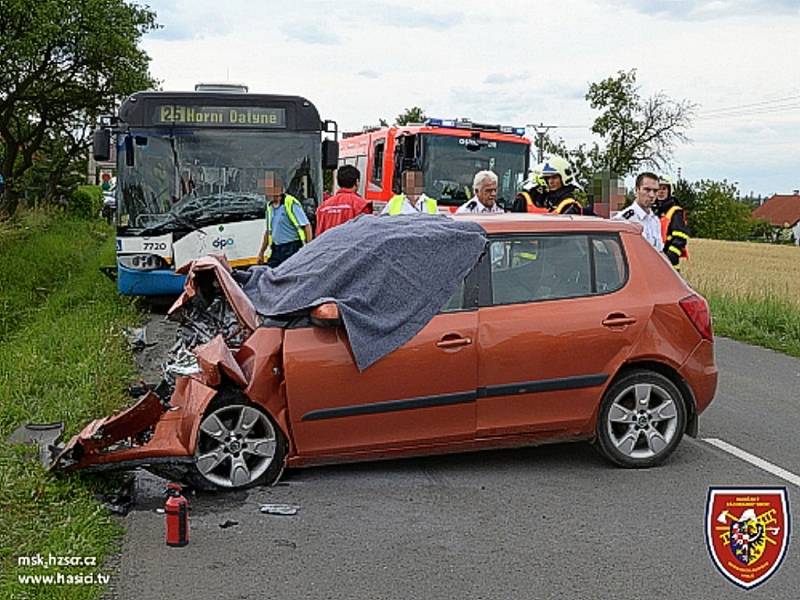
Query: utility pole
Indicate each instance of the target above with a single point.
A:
(540, 130)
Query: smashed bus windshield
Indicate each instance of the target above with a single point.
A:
(449, 163)
(185, 179)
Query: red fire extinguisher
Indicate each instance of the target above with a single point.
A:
(177, 516)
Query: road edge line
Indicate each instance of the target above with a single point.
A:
(754, 460)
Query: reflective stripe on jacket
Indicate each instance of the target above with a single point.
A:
(530, 205)
(565, 205)
(673, 234)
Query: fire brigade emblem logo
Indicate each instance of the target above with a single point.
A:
(747, 532)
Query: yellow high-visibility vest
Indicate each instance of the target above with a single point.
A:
(396, 205)
(288, 203)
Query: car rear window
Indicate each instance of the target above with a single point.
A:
(544, 267)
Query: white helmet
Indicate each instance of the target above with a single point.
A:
(534, 177)
(556, 165)
(666, 180)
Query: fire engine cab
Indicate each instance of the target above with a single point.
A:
(448, 152)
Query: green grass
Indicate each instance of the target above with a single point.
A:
(765, 320)
(40, 254)
(62, 358)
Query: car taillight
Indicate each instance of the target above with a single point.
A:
(696, 308)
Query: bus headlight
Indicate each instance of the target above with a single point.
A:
(141, 262)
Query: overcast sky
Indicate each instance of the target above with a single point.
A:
(513, 62)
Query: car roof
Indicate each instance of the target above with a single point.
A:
(529, 223)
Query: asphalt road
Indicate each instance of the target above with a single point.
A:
(549, 522)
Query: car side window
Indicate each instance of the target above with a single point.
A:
(456, 301)
(545, 267)
(609, 264)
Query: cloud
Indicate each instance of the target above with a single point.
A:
(400, 16)
(455, 59)
(501, 78)
(310, 33)
(179, 22)
(703, 10)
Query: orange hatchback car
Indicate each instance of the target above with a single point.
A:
(567, 328)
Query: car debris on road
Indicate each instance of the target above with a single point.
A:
(279, 509)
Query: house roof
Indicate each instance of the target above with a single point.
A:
(780, 209)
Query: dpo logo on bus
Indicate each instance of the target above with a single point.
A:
(222, 243)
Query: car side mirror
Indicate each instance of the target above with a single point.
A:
(330, 154)
(101, 145)
(326, 315)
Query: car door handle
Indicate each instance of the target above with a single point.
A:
(450, 342)
(618, 320)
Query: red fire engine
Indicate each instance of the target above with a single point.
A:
(448, 152)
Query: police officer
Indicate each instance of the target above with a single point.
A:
(641, 210)
(413, 200)
(288, 228)
(674, 233)
(484, 185)
(532, 197)
(559, 176)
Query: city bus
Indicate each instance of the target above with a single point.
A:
(448, 152)
(192, 169)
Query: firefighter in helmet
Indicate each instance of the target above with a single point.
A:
(559, 177)
(531, 198)
(674, 232)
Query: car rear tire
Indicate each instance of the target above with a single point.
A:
(238, 445)
(641, 421)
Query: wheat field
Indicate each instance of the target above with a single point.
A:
(744, 270)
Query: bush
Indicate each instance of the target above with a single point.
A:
(86, 201)
(717, 214)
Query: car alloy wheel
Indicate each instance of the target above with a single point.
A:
(642, 419)
(238, 445)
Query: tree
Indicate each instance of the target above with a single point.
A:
(636, 132)
(410, 115)
(717, 214)
(64, 62)
(685, 195)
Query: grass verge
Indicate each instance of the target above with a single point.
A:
(41, 253)
(753, 290)
(765, 321)
(62, 358)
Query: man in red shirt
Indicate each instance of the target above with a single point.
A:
(345, 204)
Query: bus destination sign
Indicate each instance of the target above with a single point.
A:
(220, 116)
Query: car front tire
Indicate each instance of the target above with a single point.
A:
(238, 446)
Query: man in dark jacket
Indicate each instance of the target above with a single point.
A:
(531, 198)
(559, 176)
(674, 232)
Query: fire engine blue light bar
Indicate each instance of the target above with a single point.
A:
(463, 124)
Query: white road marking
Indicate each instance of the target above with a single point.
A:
(754, 460)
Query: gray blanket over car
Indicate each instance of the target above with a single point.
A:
(389, 276)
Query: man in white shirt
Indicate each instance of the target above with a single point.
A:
(641, 211)
(484, 201)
